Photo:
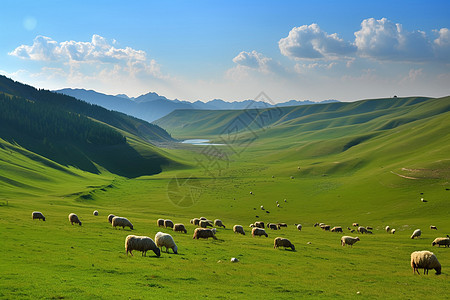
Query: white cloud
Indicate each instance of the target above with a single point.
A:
(310, 42)
(442, 44)
(97, 51)
(257, 61)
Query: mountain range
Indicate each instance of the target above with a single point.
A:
(151, 106)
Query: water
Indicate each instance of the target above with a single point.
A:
(200, 142)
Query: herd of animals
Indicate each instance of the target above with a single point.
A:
(419, 259)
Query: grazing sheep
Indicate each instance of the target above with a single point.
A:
(179, 228)
(416, 233)
(278, 205)
(336, 229)
(259, 224)
(251, 193)
(282, 225)
(203, 233)
(168, 223)
(140, 243)
(432, 227)
(205, 223)
(195, 221)
(282, 242)
(423, 200)
(110, 217)
(393, 230)
(95, 213)
(349, 240)
(388, 229)
(239, 229)
(444, 241)
(218, 223)
(425, 260)
(121, 222)
(73, 218)
(202, 218)
(362, 229)
(262, 207)
(299, 227)
(325, 227)
(165, 240)
(355, 224)
(259, 232)
(272, 226)
(37, 215)
(160, 222)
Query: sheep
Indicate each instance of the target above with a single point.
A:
(238, 229)
(278, 205)
(165, 240)
(168, 223)
(325, 227)
(355, 224)
(205, 223)
(393, 231)
(37, 215)
(259, 232)
(299, 227)
(259, 224)
(218, 223)
(388, 229)
(262, 207)
(202, 218)
(272, 226)
(123, 222)
(349, 240)
(282, 242)
(160, 222)
(251, 225)
(95, 213)
(362, 229)
(444, 241)
(336, 229)
(203, 233)
(110, 217)
(73, 218)
(195, 221)
(416, 233)
(282, 225)
(140, 243)
(318, 224)
(424, 260)
(433, 227)
(179, 228)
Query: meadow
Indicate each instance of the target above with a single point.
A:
(376, 181)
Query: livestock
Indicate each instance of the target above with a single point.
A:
(121, 222)
(168, 223)
(325, 227)
(165, 240)
(95, 213)
(336, 229)
(299, 227)
(432, 227)
(441, 241)
(416, 233)
(73, 218)
(349, 240)
(203, 233)
(362, 229)
(282, 242)
(218, 223)
(424, 260)
(388, 229)
(140, 243)
(282, 225)
(259, 232)
(355, 224)
(259, 224)
(179, 228)
(205, 223)
(393, 230)
(160, 222)
(273, 226)
(110, 217)
(238, 229)
(37, 215)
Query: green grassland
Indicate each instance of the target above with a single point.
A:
(368, 162)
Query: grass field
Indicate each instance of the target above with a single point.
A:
(324, 175)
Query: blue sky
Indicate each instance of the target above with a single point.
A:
(233, 50)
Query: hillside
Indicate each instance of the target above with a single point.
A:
(72, 133)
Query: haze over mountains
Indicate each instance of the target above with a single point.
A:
(151, 106)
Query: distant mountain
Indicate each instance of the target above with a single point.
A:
(153, 106)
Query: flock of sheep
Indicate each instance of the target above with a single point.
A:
(419, 259)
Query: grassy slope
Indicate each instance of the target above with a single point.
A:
(360, 186)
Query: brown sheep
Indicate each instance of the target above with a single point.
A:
(203, 233)
(179, 228)
(282, 242)
(259, 232)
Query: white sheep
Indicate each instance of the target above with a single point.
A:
(262, 207)
(121, 222)
(95, 213)
(416, 233)
(259, 224)
(393, 230)
(140, 243)
(336, 229)
(218, 223)
(282, 242)
(179, 228)
(165, 240)
(444, 241)
(432, 227)
(299, 227)
(349, 240)
(168, 223)
(110, 217)
(160, 222)
(73, 218)
(424, 260)
(388, 229)
(204, 233)
(273, 226)
(362, 229)
(238, 229)
(205, 223)
(259, 232)
(37, 215)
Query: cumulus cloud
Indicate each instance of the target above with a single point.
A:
(97, 51)
(442, 44)
(310, 42)
(257, 61)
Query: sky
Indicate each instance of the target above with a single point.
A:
(231, 50)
